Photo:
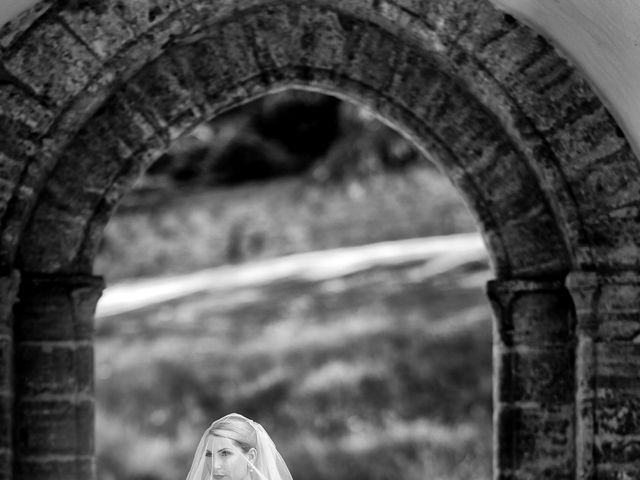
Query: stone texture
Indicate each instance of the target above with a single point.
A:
(8, 294)
(46, 428)
(54, 404)
(57, 308)
(52, 63)
(609, 385)
(164, 90)
(105, 31)
(75, 467)
(22, 109)
(534, 361)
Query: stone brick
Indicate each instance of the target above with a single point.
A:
(502, 186)
(53, 64)
(63, 427)
(126, 125)
(141, 15)
(221, 74)
(205, 60)
(96, 157)
(618, 414)
(8, 293)
(616, 471)
(538, 443)
(165, 91)
(514, 51)
(552, 93)
(614, 180)
(621, 450)
(540, 318)
(19, 107)
(544, 376)
(55, 253)
(272, 32)
(73, 467)
(419, 84)
(239, 61)
(6, 421)
(375, 60)
(6, 366)
(585, 141)
(320, 39)
(14, 221)
(69, 300)
(477, 25)
(49, 368)
(6, 464)
(614, 239)
(528, 259)
(10, 171)
(105, 31)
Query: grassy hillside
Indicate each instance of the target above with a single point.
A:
(186, 231)
(291, 172)
(379, 375)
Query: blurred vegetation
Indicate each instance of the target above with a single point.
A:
(293, 172)
(384, 375)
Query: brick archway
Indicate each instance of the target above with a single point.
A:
(93, 93)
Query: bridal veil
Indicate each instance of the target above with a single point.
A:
(268, 465)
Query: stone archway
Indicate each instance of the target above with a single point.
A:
(93, 92)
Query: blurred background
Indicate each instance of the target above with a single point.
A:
(374, 372)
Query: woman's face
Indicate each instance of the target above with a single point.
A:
(225, 460)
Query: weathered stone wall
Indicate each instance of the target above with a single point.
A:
(92, 92)
(8, 291)
(534, 368)
(608, 394)
(53, 408)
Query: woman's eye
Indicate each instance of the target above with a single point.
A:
(225, 453)
(207, 454)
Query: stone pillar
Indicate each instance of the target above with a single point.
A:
(608, 374)
(534, 426)
(8, 293)
(54, 388)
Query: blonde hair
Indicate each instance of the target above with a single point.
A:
(237, 429)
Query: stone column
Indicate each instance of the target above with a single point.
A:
(534, 426)
(608, 374)
(8, 292)
(54, 388)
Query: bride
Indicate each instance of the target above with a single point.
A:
(236, 448)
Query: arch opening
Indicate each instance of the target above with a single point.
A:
(404, 409)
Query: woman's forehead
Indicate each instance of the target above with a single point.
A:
(216, 443)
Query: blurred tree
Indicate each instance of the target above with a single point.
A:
(282, 134)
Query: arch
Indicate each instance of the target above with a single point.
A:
(93, 92)
(545, 114)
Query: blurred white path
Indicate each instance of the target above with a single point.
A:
(442, 253)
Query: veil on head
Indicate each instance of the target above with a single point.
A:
(269, 464)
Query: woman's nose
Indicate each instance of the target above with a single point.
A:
(217, 464)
